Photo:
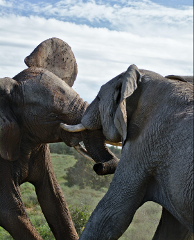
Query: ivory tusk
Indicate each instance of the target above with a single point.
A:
(83, 152)
(73, 128)
(118, 144)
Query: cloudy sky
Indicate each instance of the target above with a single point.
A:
(105, 36)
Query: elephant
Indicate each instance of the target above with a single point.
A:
(153, 117)
(32, 106)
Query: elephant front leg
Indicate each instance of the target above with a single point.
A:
(115, 211)
(55, 210)
(170, 228)
(51, 199)
(13, 217)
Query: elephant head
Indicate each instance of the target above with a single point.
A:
(37, 100)
(111, 107)
(108, 111)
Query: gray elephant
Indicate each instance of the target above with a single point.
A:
(153, 116)
(32, 106)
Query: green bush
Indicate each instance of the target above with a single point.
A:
(80, 216)
(29, 197)
(83, 175)
(61, 148)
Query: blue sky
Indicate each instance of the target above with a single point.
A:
(105, 36)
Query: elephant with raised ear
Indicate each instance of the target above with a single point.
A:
(153, 116)
(32, 106)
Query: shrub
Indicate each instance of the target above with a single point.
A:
(61, 148)
(80, 216)
(83, 175)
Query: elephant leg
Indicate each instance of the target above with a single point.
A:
(13, 217)
(115, 211)
(50, 197)
(170, 228)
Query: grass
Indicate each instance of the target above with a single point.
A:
(82, 202)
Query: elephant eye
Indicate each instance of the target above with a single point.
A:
(52, 115)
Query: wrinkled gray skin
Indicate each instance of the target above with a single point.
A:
(32, 106)
(153, 116)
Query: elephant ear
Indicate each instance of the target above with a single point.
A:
(57, 57)
(129, 84)
(10, 135)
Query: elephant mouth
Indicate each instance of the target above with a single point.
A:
(97, 151)
(79, 128)
(81, 150)
(73, 140)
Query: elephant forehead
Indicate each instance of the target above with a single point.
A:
(47, 89)
(34, 94)
(109, 88)
(40, 78)
(105, 90)
(51, 81)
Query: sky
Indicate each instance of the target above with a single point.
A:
(105, 36)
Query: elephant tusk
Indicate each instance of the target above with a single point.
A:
(73, 128)
(118, 144)
(83, 152)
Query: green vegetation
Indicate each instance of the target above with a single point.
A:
(80, 216)
(82, 175)
(83, 189)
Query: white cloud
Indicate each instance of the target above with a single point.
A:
(4, 3)
(137, 16)
(102, 53)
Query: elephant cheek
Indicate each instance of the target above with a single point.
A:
(111, 134)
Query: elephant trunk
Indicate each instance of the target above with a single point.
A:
(106, 161)
(105, 168)
(94, 140)
(74, 111)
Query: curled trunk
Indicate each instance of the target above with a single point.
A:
(106, 161)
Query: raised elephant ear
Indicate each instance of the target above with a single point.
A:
(56, 56)
(129, 84)
(10, 135)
